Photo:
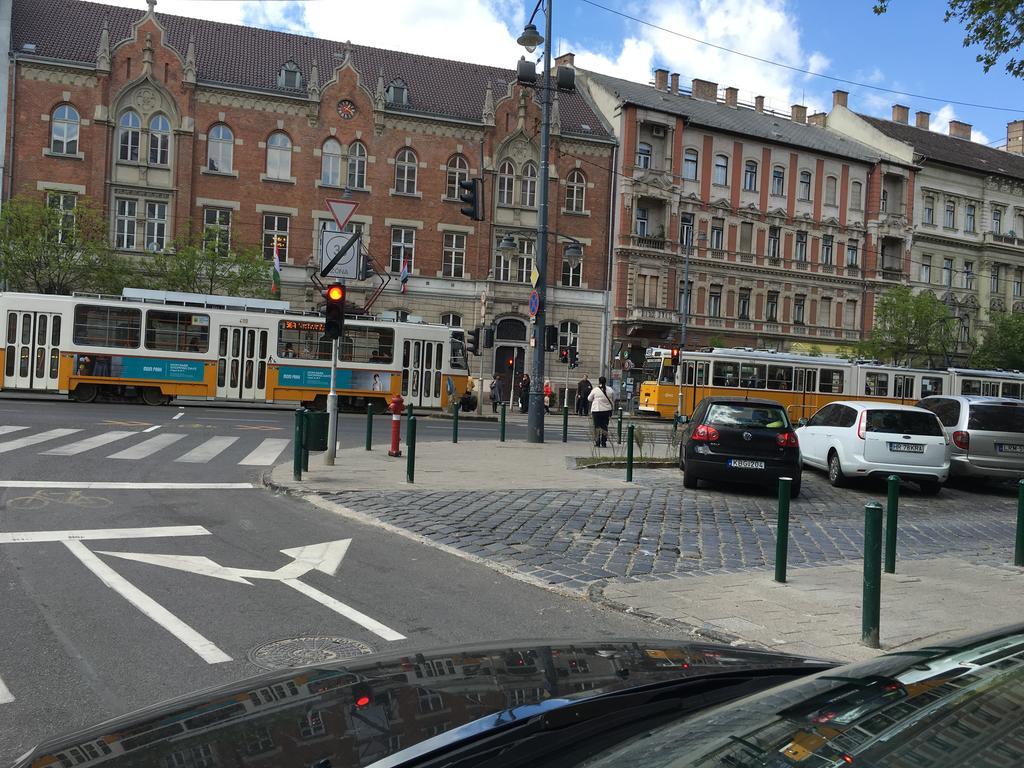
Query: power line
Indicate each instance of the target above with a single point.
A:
(792, 68)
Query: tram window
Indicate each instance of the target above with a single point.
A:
(805, 380)
(725, 375)
(26, 328)
(1011, 390)
(903, 387)
(263, 345)
(931, 385)
(876, 384)
(12, 327)
(302, 340)
(371, 344)
(752, 375)
(990, 388)
(107, 326)
(970, 387)
(220, 371)
(458, 353)
(780, 377)
(55, 332)
(41, 330)
(177, 331)
(9, 358)
(668, 374)
(702, 374)
(831, 381)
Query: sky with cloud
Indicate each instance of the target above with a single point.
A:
(909, 49)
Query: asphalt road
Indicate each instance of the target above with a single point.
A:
(87, 634)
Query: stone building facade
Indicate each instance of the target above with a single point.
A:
(174, 125)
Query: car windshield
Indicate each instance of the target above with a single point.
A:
(746, 416)
(996, 418)
(903, 422)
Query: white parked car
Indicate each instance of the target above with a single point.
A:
(851, 439)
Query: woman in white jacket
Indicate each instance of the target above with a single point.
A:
(601, 408)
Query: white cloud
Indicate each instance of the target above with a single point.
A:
(940, 124)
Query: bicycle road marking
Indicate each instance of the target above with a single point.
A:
(42, 498)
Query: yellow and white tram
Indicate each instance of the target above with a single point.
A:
(801, 382)
(156, 346)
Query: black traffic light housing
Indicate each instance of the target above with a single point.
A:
(489, 337)
(362, 696)
(675, 356)
(334, 312)
(563, 354)
(473, 341)
(574, 357)
(471, 192)
(550, 338)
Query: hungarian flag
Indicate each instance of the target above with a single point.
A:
(275, 285)
(403, 276)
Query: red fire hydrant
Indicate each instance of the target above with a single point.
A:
(396, 406)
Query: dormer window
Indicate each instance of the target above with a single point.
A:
(289, 76)
(397, 93)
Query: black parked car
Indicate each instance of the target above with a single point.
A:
(739, 440)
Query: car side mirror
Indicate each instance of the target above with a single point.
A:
(802, 423)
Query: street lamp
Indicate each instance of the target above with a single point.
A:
(684, 315)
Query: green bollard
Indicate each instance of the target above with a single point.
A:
(892, 509)
(872, 574)
(629, 454)
(455, 425)
(297, 444)
(369, 426)
(565, 423)
(620, 426)
(1018, 550)
(305, 429)
(782, 530)
(501, 425)
(410, 462)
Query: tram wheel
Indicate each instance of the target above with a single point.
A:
(85, 393)
(153, 396)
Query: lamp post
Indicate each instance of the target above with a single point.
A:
(684, 312)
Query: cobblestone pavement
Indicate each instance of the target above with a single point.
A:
(657, 529)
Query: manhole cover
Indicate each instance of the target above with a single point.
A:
(303, 651)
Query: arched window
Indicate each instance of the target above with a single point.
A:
(690, 158)
(357, 165)
(569, 334)
(279, 156)
(528, 186)
(330, 163)
(511, 329)
(452, 319)
(220, 149)
(830, 190)
(64, 130)
(643, 155)
(803, 191)
(289, 76)
(159, 140)
(506, 182)
(397, 93)
(779, 181)
(721, 172)
(750, 176)
(576, 192)
(856, 190)
(130, 131)
(405, 172)
(458, 170)
(572, 272)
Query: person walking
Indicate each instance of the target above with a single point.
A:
(583, 389)
(524, 393)
(600, 399)
(496, 391)
(548, 394)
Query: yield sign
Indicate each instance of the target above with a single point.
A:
(341, 210)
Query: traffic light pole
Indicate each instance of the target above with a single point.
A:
(332, 410)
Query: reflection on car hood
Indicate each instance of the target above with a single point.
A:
(378, 707)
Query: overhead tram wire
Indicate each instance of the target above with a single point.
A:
(792, 68)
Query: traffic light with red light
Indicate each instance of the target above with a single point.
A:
(362, 696)
(574, 357)
(334, 313)
(675, 356)
(563, 355)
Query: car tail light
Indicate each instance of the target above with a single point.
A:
(861, 424)
(705, 434)
(962, 439)
(787, 439)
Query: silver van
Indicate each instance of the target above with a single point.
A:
(986, 434)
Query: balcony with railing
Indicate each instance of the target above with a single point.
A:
(646, 241)
(1004, 238)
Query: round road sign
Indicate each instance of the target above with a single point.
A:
(534, 303)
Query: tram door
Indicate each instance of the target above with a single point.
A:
(32, 350)
(421, 372)
(242, 363)
(805, 384)
(697, 375)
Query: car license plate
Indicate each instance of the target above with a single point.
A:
(746, 464)
(906, 447)
(1009, 448)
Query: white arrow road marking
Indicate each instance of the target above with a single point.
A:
(117, 486)
(325, 557)
(5, 694)
(25, 537)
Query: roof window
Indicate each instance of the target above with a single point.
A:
(397, 93)
(289, 76)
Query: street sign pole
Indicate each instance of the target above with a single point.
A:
(483, 332)
(332, 410)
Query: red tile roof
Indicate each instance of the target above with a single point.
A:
(249, 57)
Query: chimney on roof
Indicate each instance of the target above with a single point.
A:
(900, 114)
(759, 103)
(661, 79)
(818, 119)
(704, 90)
(798, 113)
(922, 119)
(566, 60)
(674, 83)
(839, 98)
(1015, 137)
(959, 130)
(732, 96)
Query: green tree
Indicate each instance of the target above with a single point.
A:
(1003, 345)
(208, 265)
(910, 329)
(996, 25)
(44, 249)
